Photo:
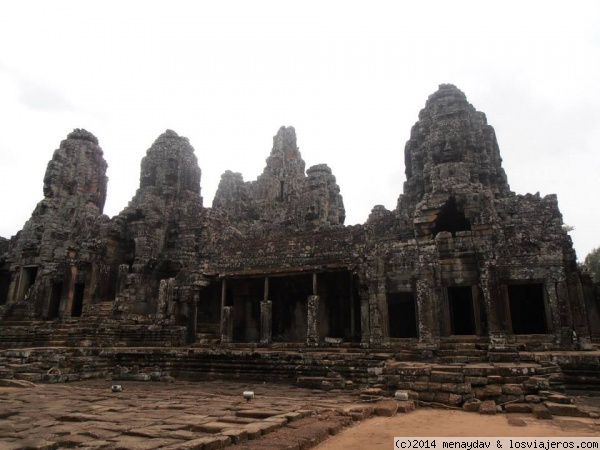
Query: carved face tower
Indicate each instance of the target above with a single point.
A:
(453, 165)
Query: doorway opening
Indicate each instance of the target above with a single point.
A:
(460, 305)
(527, 309)
(77, 307)
(289, 295)
(4, 286)
(28, 275)
(402, 314)
(55, 297)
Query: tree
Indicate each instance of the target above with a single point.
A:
(592, 262)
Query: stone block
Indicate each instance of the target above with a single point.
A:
(487, 407)
(492, 391)
(471, 405)
(386, 408)
(406, 407)
(535, 384)
(237, 436)
(561, 409)
(427, 397)
(517, 408)
(476, 381)
(512, 389)
(559, 398)
(539, 411)
(447, 377)
(420, 386)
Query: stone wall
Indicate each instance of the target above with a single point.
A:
(460, 261)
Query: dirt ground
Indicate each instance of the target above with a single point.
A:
(379, 432)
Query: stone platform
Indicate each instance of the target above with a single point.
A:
(178, 415)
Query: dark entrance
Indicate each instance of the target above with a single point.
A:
(460, 305)
(402, 314)
(245, 295)
(55, 297)
(28, 275)
(289, 295)
(527, 310)
(451, 218)
(4, 285)
(77, 307)
(338, 306)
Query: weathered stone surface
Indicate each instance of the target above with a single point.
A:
(386, 408)
(472, 405)
(487, 407)
(463, 271)
(562, 409)
(540, 411)
(517, 408)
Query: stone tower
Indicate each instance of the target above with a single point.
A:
(61, 232)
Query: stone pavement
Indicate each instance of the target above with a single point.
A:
(179, 415)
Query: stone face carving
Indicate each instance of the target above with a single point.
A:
(283, 197)
(460, 254)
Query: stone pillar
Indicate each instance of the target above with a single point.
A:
(227, 325)
(122, 278)
(352, 311)
(425, 312)
(266, 317)
(563, 307)
(192, 317)
(496, 305)
(365, 321)
(68, 306)
(312, 328)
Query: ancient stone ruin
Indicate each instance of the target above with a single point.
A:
(463, 271)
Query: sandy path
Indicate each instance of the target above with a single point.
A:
(379, 432)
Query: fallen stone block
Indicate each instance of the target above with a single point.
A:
(559, 398)
(487, 407)
(539, 411)
(517, 408)
(561, 409)
(472, 405)
(386, 408)
(406, 407)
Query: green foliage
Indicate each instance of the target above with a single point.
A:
(592, 262)
(568, 228)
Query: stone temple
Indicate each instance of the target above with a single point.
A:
(269, 282)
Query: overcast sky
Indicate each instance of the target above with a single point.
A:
(351, 77)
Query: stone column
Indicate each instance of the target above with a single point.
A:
(312, 328)
(266, 330)
(122, 278)
(227, 325)
(193, 300)
(565, 314)
(266, 316)
(68, 307)
(425, 313)
(496, 305)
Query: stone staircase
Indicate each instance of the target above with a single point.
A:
(462, 351)
(90, 332)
